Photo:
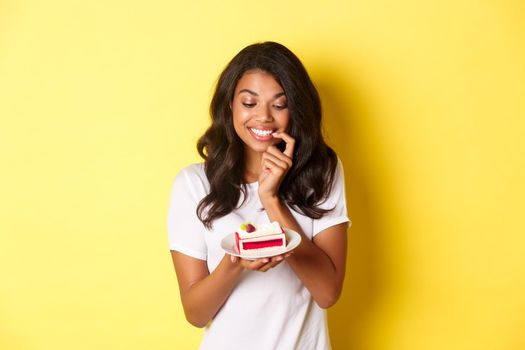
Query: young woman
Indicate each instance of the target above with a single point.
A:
(264, 160)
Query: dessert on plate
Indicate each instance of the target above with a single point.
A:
(266, 238)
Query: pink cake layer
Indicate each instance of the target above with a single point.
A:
(262, 244)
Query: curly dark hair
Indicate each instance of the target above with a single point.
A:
(309, 180)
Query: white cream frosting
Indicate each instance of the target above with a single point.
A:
(271, 228)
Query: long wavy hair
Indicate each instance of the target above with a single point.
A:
(309, 180)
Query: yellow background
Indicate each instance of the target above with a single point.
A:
(101, 103)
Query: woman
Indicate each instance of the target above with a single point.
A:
(264, 160)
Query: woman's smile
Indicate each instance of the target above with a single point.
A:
(262, 134)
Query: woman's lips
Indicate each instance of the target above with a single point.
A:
(262, 134)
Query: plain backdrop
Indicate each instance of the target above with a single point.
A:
(102, 102)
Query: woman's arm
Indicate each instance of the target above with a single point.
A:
(319, 264)
(203, 293)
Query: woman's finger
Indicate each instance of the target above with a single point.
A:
(277, 153)
(270, 167)
(276, 260)
(268, 162)
(290, 142)
(254, 264)
(274, 159)
(264, 264)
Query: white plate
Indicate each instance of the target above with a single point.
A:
(292, 241)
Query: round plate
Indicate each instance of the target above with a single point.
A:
(292, 241)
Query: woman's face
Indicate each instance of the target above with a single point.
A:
(259, 109)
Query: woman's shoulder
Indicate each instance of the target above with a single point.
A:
(195, 169)
(339, 169)
(192, 176)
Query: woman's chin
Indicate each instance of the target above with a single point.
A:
(257, 148)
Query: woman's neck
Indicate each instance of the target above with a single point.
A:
(252, 166)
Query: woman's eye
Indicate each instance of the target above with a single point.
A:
(248, 105)
(280, 106)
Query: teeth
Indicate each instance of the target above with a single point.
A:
(259, 132)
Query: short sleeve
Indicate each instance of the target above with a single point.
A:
(185, 230)
(336, 200)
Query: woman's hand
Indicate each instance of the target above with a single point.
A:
(275, 164)
(261, 265)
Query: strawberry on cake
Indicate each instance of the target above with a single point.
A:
(267, 239)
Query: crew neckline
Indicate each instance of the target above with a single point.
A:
(252, 185)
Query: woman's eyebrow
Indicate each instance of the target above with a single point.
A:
(256, 94)
(248, 91)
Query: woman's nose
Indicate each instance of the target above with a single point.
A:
(264, 114)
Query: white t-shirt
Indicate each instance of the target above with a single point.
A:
(266, 310)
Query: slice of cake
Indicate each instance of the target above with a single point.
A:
(267, 239)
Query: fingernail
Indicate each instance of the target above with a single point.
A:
(279, 258)
(232, 258)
